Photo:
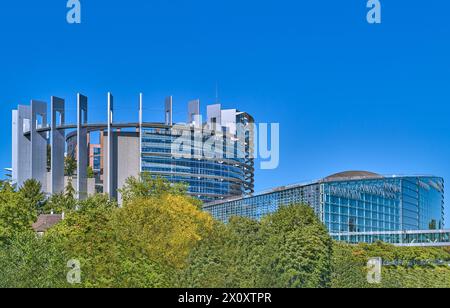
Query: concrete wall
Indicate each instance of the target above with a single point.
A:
(110, 170)
(91, 187)
(169, 111)
(193, 111)
(58, 143)
(214, 112)
(228, 119)
(39, 143)
(21, 145)
(126, 161)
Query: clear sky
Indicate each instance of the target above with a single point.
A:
(348, 95)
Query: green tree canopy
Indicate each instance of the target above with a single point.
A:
(290, 248)
(143, 244)
(147, 185)
(16, 214)
(70, 166)
(90, 173)
(161, 238)
(32, 195)
(350, 266)
(298, 252)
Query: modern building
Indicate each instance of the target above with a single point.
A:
(214, 157)
(358, 207)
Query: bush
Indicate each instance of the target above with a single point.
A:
(288, 249)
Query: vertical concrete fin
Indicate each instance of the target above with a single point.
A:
(214, 117)
(168, 110)
(39, 143)
(111, 186)
(193, 111)
(21, 144)
(82, 147)
(15, 146)
(58, 142)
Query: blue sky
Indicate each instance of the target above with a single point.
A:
(348, 95)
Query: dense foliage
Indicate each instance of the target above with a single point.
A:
(160, 237)
(409, 267)
(290, 248)
(16, 213)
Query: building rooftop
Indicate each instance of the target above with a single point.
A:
(45, 222)
(337, 177)
(352, 175)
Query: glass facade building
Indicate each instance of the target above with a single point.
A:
(218, 163)
(353, 202)
(97, 159)
(215, 171)
(402, 238)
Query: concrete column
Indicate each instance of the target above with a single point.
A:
(39, 142)
(126, 163)
(82, 152)
(214, 116)
(14, 145)
(169, 111)
(110, 172)
(58, 142)
(193, 111)
(21, 145)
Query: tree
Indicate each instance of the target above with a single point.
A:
(290, 248)
(433, 225)
(90, 173)
(350, 266)
(32, 194)
(165, 228)
(60, 203)
(16, 215)
(228, 257)
(149, 186)
(86, 235)
(70, 191)
(144, 244)
(298, 252)
(210, 264)
(28, 261)
(70, 166)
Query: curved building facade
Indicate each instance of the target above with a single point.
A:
(213, 157)
(354, 203)
(221, 173)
